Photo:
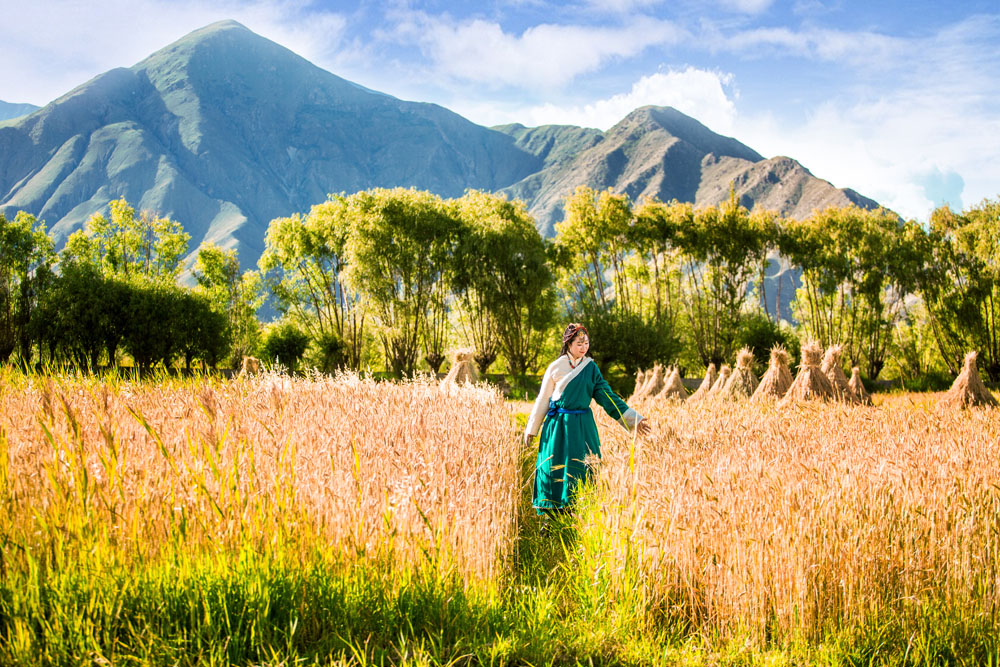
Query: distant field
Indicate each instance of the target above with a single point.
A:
(351, 521)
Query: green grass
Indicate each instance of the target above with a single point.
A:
(563, 602)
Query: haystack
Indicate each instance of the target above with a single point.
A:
(777, 379)
(463, 368)
(810, 383)
(251, 366)
(834, 372)
(673, 387)
(858, 387)
(968, 389)
(720, 384)
(742, 383)
(654, 385)
(706, 384)
(640, 379)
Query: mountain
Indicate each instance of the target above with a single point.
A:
(9, 110)
(224, 131)
(660, 152)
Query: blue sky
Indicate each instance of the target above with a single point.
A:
(898, 100)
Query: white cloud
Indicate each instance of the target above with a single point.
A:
(620, 6)
(543, 56)
(698, 93)
(747, 6)
(933, 110)
(864, 49)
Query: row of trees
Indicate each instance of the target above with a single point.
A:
(396, 277)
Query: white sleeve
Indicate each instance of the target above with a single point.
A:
(541, 405)
(631, 418)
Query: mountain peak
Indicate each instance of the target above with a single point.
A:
(687, 129)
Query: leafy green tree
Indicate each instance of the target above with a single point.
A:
(960, 284)
(82, 315)
(857, 268)
(658, 273)
(304, 266)
(616, 270)
(129, 245)
(722, 250)
(153, 314)
(435, 328)
(503, 281)
(285, 344)
(202, 331)
(399, 250)
(237, 296)
(26, 258)
(329, 353)
(595, 232)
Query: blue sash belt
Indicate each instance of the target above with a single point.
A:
(556, 410)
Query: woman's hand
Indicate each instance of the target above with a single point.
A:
(527, 439)
(643, 427)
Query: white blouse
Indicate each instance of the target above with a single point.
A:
(557, 376)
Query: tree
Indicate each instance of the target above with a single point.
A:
(503, 279)
(26, 258)
(615, 269)
(82, 315)
(202, 331)
(131, 246)
(723, 249)
(858, 266)
(400, 248)
(960, 284)
(284, 343)
(153, 314)
(304, 266)
(237, 296)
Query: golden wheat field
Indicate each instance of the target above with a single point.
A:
(401, 473)
(795, 521)
(735, 517)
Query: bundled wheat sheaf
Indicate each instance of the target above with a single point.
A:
(640, 380)
(742, 382)
(834, 372)
(707, 382)
(673, 387)
(654, 383)
(379, 470)
(778, 377)
(858, 387)
(716, 390)
(968, 389)
(810, 383)
(463, 368)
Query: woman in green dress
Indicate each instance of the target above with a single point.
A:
(568, 431)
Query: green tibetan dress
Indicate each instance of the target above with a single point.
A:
(568, 430)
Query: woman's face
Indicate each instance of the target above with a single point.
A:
(579, 346)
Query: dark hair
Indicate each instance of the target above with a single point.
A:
(572, 331)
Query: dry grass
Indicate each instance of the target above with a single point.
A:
(796, 521)
(406, 474)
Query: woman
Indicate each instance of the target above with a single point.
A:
(569, 433)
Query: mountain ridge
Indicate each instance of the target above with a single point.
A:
(224, 130)
(10, 110)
